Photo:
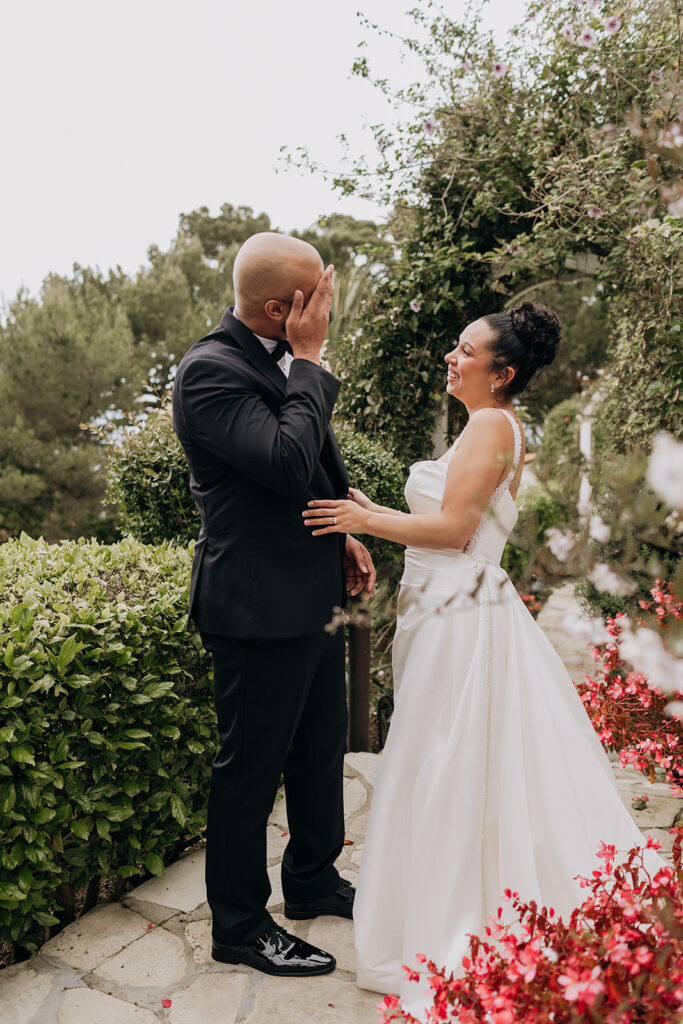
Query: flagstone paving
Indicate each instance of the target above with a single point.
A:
(147, 959)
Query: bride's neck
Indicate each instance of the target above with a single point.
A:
(471, 409)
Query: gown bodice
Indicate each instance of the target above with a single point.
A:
(424, 493)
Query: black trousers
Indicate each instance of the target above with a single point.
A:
(281, 708)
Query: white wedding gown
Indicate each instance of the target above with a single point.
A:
(492, 776)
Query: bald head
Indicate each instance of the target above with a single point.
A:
(268, 269)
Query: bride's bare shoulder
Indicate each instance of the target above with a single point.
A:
(487, 425)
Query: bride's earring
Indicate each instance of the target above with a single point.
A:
(493, 388)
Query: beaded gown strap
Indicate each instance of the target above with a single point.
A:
(517, 452)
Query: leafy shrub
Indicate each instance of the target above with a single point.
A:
(106, 720)
(149, 480)
(538, 511)
(376, 472)
(617, 960)
(644, 539)
(559, 458)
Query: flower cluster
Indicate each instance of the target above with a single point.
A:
(630, 713)
(532, 603)
(617, 960)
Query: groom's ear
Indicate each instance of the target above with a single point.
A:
(276, 310)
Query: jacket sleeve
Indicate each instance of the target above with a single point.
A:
(226, 415)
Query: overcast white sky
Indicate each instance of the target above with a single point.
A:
(117, 117)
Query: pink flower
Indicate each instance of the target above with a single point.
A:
(568, 32)
(587, 36)
(655, 76)
(612, 25)
(415, 306)
(499, 69)
(428, 124)
(585, 987)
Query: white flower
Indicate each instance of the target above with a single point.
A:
(587, 36)
(674, 521)
(612, 25)
(599, 530)
(415, 305)
(665, 469)
(605, 579)
(671, 137)
(568, 32)
(560, 542)
(588, 631)
(645, 650)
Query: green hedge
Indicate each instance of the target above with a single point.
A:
(149, 482)
(538, 511)
(106, 720)
(558, 461)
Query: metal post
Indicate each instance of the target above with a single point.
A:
(359, 682)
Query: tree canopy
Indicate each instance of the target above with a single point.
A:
(552, 158)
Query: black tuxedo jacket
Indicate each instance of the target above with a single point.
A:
(259, 446)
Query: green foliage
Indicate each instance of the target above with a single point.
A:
(376, 472)
(538, 511)
(641, 393)
(558, 460)
(63, 360)
(83, 350)
(584, 348)
(106, 720)
(149, 480)
(645, 541)
(523, 167)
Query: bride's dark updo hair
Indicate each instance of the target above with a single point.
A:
(526, 337)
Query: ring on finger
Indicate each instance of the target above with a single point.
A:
(334, 520)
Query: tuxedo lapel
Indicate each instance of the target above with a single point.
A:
(254, 350)
(330, 456)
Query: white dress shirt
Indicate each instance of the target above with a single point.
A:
(286, 360)
(269, 345)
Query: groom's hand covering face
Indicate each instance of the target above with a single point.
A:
(307, 323)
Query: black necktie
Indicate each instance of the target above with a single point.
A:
(281, 347)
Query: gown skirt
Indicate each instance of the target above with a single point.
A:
(492, 776)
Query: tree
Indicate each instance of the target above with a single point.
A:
(517, 166)
(63, 361)
(83, 349)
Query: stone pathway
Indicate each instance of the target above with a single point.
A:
(123, 962)
(147, 959)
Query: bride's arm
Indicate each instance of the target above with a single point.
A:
(362, 499)
(475, 469)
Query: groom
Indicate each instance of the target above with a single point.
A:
(252, 409)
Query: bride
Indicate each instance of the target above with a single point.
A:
(492, 776)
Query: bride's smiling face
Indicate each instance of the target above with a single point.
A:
(469, 373)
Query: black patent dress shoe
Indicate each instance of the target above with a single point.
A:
(277, 952)
(337, 904)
